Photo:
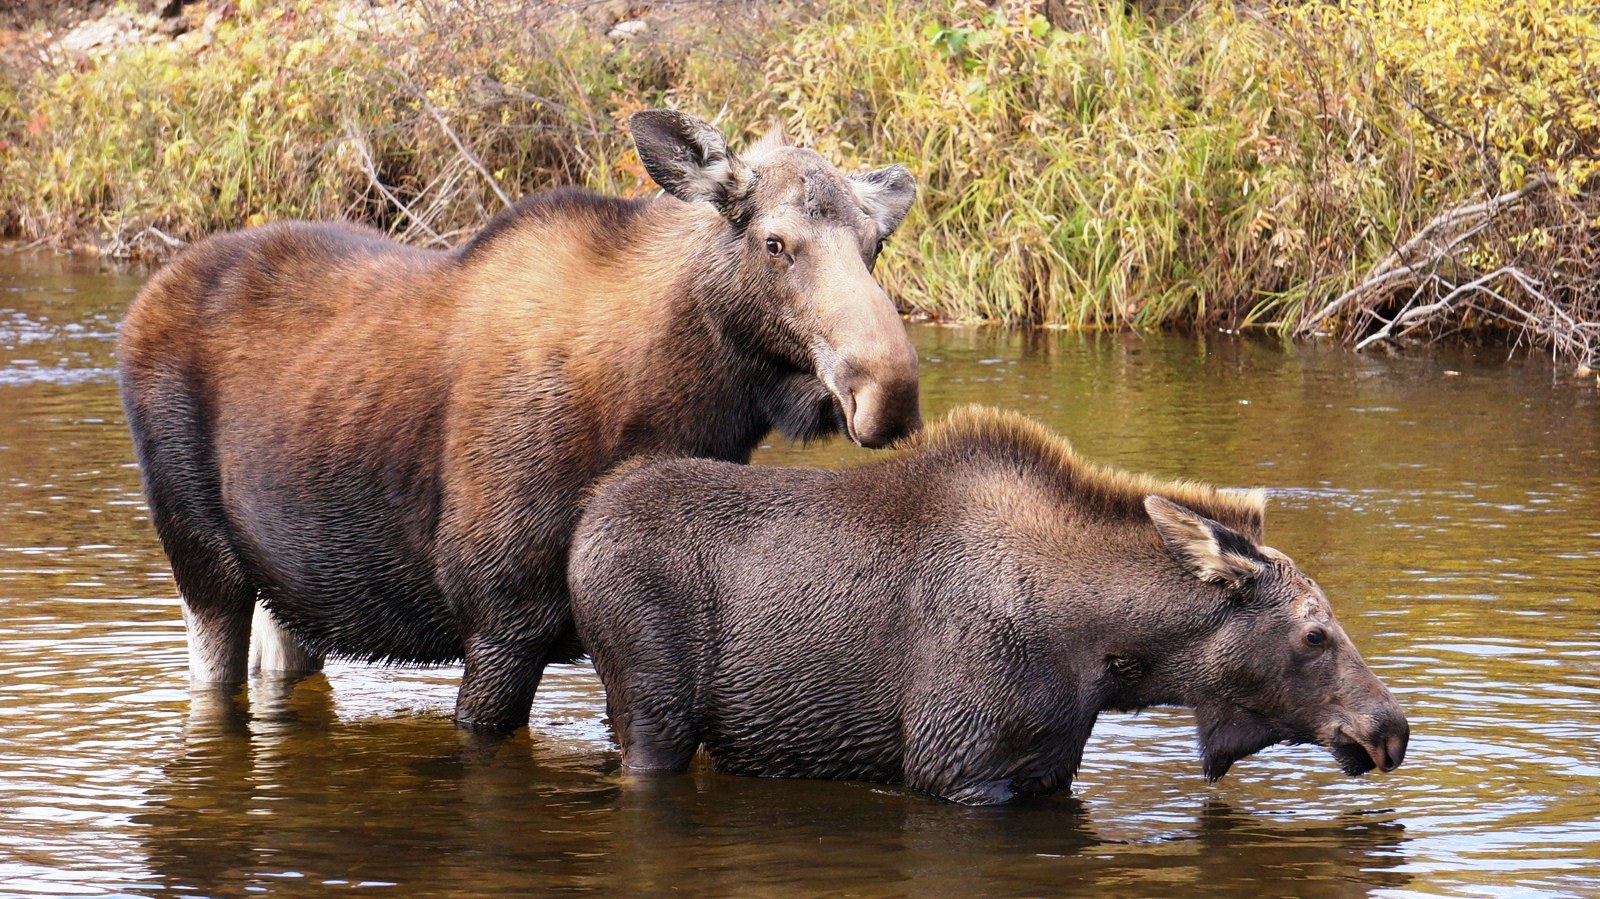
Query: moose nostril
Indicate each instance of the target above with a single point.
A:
(1392, 741)
(1395, 750)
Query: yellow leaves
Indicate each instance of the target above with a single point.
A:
(1533, 239)
(1517, 77)
(301, 51)
(298, 105)
(174, 153)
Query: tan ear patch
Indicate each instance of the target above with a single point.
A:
(1212, 552)
(773, 139)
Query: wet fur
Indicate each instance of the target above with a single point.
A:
(954, 619)
(389, 446)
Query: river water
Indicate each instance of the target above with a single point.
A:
(1448, 502)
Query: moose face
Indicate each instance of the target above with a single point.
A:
(804, 239)
(1278, 668)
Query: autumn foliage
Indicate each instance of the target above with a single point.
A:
(1229, 164)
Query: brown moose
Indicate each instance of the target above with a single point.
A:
(953, 619)
(389, 446)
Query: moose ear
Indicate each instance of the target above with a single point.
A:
(885, 195)
(1212, 551)
(688, 158)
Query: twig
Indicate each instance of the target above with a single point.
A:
(371, 171)
(461, 147)
(166, 238)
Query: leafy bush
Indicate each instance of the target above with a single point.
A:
(1235, 164)
(1499, 101)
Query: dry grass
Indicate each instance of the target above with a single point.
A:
(1226, 166)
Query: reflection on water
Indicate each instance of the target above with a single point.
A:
(1449, 504)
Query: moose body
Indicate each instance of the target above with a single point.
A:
(953, 619)
(389, 447)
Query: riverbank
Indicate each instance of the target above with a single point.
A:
(1381, 172)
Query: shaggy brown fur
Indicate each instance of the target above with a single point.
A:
(954, 618)
(1101, 490)
(389, 446)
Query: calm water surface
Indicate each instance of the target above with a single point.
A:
(1449, 504)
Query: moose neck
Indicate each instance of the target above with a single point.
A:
(760, 369)
(1160, 634)
(659, 321)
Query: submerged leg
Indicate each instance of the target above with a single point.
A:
(652, 742)
(276, 652)
(216, 605)
(498, 683)
(217, 619)
(178, 467)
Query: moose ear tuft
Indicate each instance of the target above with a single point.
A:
(688, 158)
(1212, 551)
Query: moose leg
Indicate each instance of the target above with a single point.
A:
(276, 652)
(499, 681)
(217, 595)
(184, 492)
(650, 701)
(653, 742)
(505, 576)
(216, 604)
(219, 634)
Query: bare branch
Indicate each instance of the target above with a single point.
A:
(371, 172)
(466, 154)
(1403, 266)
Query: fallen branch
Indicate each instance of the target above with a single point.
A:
(1420, 278)
(371, 171)
(1404, 267)
(1440, 305)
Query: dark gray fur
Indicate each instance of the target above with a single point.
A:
(953, 619)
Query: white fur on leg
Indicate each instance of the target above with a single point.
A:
(216, 651)
(275, 651)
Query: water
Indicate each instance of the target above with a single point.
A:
(1448, 502)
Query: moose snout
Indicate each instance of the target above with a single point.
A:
(1382, 742)
(881, 413)
(1388, 749)
(874, 381)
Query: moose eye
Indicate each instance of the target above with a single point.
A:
(1316, 637)
(774, 247)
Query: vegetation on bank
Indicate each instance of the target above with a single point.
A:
(1377, 169)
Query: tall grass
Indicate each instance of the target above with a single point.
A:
(1133, 173)
(1233, 165)
(422, 125)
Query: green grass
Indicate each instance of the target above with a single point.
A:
(1230, 166)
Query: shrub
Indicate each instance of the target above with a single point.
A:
(1231, 165)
